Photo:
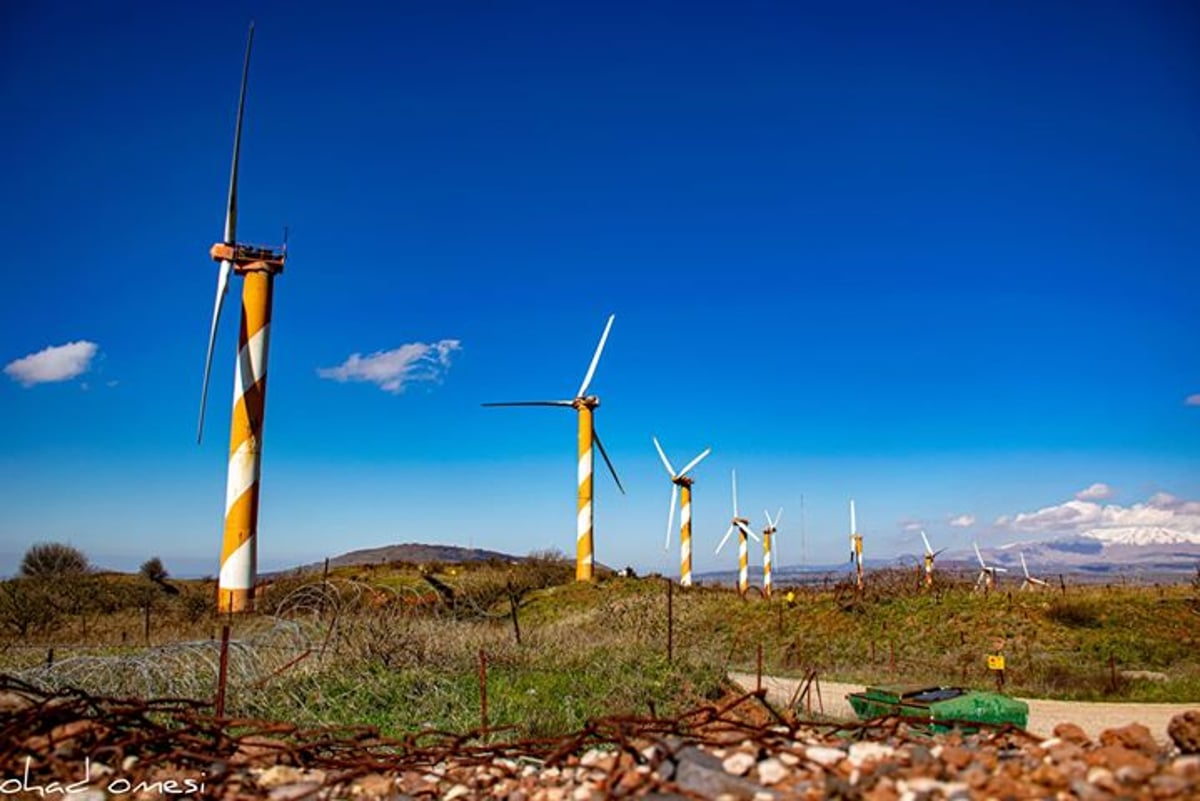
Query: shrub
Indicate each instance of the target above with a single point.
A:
(54, 559)
(1074, 613)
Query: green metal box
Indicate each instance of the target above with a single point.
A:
(943, 708)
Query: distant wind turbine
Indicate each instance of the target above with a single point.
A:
(681, 488)
(585, 405)
(742, 526)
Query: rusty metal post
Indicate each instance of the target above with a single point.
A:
(872, 650)
(892, 658)
(146, 626)
(779, 610)
(1112, 671)
(483, 711)
(1062, 583)
(670, 622)
(222, 672)
(512, 603)
(50, 658)
(758, 673)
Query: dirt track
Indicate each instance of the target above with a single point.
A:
(1093, 718)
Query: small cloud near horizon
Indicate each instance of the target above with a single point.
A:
(52, 364)
(962, 521)
(1192, 400)
(1097, 492)
(394, 370)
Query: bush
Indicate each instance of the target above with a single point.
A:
(26, 606)
(1075, 614)
(54, 559)
(152, 569)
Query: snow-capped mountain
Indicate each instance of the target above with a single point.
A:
(1142, 535)
(1100, 550)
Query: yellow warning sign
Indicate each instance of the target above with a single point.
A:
(995, 661)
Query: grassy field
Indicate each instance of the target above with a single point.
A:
(400, 647)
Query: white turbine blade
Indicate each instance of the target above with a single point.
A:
(695, 462)
(724, 539)
(1024, 566)
(1043, 582)
(231, 207)
(735, 511)
(999, 569)
(853, 522)
(928, 547)
(222, 288)
(587, 379)
(778, 517)
(607, 461)
(767, 515)
(671, 516)
(749, 533)
(978, 554)
(666, 462)
(566, 403)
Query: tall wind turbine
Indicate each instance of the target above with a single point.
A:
(681, 487)
(258, 267)
(585, 405)
(1030, 582)
(930, 555)
(987, 573)
(742, 525)
(768, 543)
(856, 548)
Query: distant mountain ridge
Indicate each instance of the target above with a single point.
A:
(414, 553)
(1104, 550)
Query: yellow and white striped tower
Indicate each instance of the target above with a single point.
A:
(767, 563)
(239, 549)
(768, 542)
(585, 405)
(930, 555)
(685, 531)
(743, 563)
(585, 558)
(856, 548)
(258, 268)
(681, 485)
(742, 526)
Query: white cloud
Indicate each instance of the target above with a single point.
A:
(962, 521)
(55, 363)
(908, 524)
(1192, 400)
(1096, 492)
(393, 370)
(1161, 512)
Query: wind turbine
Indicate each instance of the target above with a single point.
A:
(681, 487)
(1030, 582)
(987, 573)
(258, 267)
(856, 548)
(585, 405)
(742, 525)
(930, 555)
(768, 542)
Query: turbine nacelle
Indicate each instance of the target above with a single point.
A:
(587, 401)
(242, 257)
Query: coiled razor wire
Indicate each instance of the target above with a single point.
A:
(305, 622)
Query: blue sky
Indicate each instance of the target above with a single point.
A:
(940, 259)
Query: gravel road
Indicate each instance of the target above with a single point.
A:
(1093, 718)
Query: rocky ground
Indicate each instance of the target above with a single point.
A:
(742, 749)
(1123, 763)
